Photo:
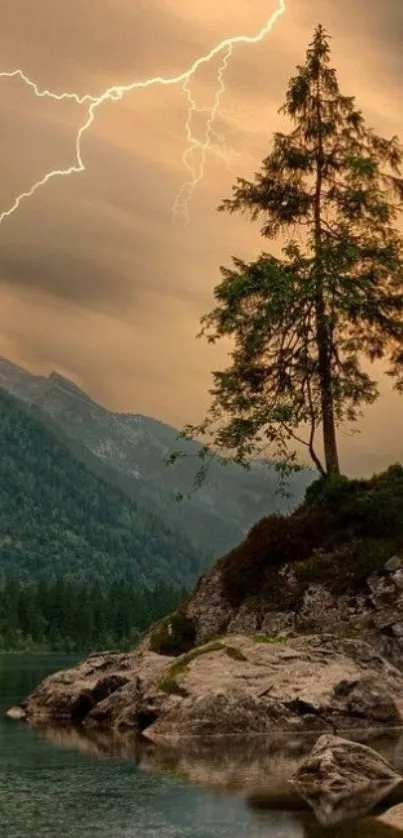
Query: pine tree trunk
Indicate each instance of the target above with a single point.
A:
(325, 378)
(323, 337)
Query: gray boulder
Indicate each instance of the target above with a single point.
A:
(343, 780)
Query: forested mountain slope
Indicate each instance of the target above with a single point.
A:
(131, 450)
(59, 519)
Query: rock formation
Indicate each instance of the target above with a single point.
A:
(237, 685)
(374, 613)
(343, 780)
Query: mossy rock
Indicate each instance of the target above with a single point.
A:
(169, 684)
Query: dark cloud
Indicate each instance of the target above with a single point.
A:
(95, 279)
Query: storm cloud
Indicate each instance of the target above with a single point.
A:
(95, 279)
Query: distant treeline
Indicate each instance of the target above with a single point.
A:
(60, 616)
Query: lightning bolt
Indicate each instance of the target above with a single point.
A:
(116, 94)
(185, 194)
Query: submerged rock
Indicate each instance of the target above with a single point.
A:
(238, 685)
(16, 713)
(342, 780)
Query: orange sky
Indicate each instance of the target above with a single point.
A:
(95, 279)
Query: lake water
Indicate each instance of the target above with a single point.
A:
(63, 785)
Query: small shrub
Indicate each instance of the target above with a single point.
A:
(347, 567)
(329, 492)
(175, 636)
(272, 543)
(344, 530)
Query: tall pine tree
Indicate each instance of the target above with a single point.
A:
(303, 325)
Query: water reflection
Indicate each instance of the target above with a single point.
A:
(133, 803)
(258, 772)
(239, 764)
(57, 782)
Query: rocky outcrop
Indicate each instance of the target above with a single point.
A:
(238, 685)
(343, 780)
(374, 613)
(106, 688)
(264, 673)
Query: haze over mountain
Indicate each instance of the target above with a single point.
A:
(130, 451)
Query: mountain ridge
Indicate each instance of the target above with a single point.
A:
(131, 450)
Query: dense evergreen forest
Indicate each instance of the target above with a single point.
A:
(60, 520)
(81, 566)
(60, 616)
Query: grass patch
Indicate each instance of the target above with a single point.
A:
(169, 684)
(185, 660)
(268, 638)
